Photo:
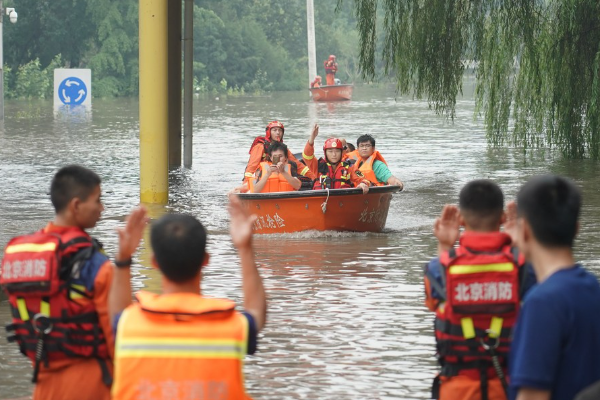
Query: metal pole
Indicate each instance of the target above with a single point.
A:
(312, 53)
(188, 81)
(154, 107)
(174, 67)
(1, 62)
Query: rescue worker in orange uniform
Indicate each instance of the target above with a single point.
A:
(316, 83)
(277, 174)
(475, 290)
(370, 164)
(331, 68)
(333, 172)
(182, 344)
(258, 151)
(60, 317)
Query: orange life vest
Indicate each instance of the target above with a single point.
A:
(365, 168)
(482, 298)
(330, 179)
(53, 318)
(351, 157)
(262, 141)
(330, 66)
(180, 346)
(275, 183)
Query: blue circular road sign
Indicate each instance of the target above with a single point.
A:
(72, 91)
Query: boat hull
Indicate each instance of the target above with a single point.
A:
(346, 210)
(332, 93)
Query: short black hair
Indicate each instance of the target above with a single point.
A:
(365, 138)
(179, 245)
(551, 205)
(72, 181)
(481, 204)
(277, 146)
(350, 146)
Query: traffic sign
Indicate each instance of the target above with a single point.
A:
(72, 91)
(72, 87)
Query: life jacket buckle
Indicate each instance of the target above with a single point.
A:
(494, 336)
(42, 324)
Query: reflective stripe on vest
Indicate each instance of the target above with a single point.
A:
(181, 348)
(472, 269)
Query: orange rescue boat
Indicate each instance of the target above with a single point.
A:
(334, 209)
(332, 93)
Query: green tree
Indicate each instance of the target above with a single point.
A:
(537, 63)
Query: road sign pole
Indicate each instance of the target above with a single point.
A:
(1, 62)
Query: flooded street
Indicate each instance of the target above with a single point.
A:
(346, 316)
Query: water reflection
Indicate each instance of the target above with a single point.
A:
(346, 318)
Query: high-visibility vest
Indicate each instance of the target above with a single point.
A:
(330, 179)
(180, 346)
(275, 183)
(365, 168)
(53, 317)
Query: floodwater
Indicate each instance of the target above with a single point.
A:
(346, 316)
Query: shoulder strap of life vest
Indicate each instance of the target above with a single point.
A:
(260, 140)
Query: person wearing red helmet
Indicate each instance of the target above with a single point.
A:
(316, 83)
(258, 151)
(331, 68)
(333, 172)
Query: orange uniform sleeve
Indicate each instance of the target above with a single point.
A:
(100, 299)
(302, 169)
(308, 155)
(254, 161)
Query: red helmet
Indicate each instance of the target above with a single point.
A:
(332, 57)
(274, 124)
(333, 143)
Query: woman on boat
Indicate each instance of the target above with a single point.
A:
(258, 151)
(276, 174)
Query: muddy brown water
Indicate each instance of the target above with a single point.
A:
(346, 316)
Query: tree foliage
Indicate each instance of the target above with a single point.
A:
(247, 45)
(537, 63)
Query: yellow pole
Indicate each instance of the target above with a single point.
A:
(154, 110)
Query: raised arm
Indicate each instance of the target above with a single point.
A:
(255, 300)
(119, 296)
(446, 228)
